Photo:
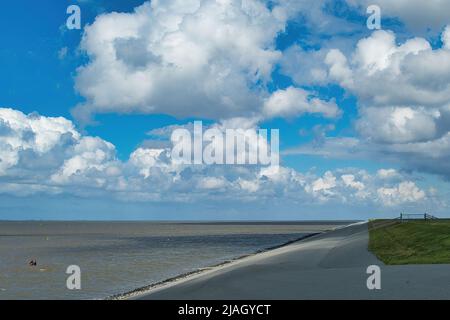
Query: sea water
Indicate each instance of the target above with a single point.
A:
(118, 257)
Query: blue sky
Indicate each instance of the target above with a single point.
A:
(364, 115)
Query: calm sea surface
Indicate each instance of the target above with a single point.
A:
(117, 257)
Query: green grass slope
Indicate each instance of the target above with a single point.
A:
(412, 242)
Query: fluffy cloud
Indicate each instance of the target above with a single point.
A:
(344, 187)
(212, 183)
(403, 193)
(31, 136)
(197, 58)
(350, 181)
(310, 67)
(387, 173)
(87, 158)
(296, 101)
(305, 67)
(183, 58)
(403, 93)
(383, 73)
(398, 124)
(51, 157)
(324, 184)
(428, 156)
(147, 159)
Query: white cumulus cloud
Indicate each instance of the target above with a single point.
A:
(183, 58)
(405, 192)
(295, 101)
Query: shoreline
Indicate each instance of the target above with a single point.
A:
(144, 290)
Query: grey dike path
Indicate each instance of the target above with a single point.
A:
(331, 265)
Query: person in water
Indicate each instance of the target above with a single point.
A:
(33, 263)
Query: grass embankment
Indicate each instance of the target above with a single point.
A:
(412, 242)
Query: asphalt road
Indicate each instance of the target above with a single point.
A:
(328, 266)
